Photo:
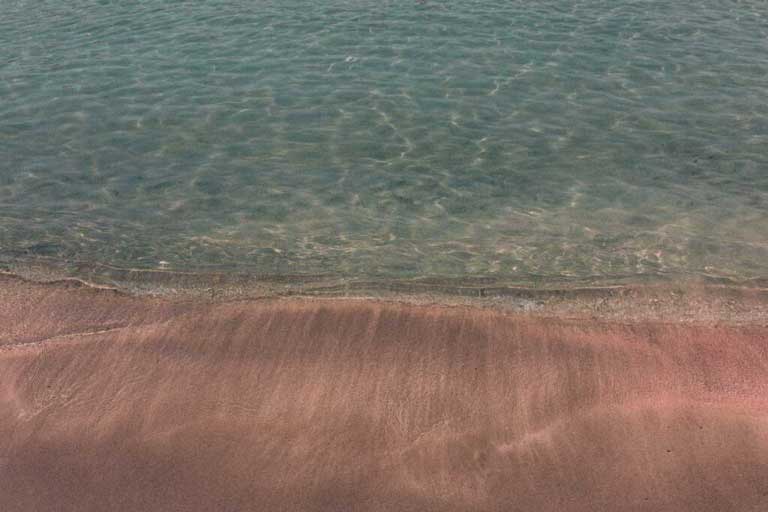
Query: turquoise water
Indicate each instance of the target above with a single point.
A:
(388, 139)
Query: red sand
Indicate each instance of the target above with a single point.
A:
(112, 402)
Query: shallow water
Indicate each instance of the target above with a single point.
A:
(388, 139)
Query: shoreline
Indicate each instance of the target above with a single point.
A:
(629, 298)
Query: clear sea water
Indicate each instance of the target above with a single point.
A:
(387, 139)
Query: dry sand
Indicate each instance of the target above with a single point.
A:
(114, 402)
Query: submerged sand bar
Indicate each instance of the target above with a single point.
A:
(110, 401)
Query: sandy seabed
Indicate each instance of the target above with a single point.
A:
(110, 401)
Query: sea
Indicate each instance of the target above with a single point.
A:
(391, 140)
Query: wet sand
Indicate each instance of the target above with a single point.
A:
(110, 401)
